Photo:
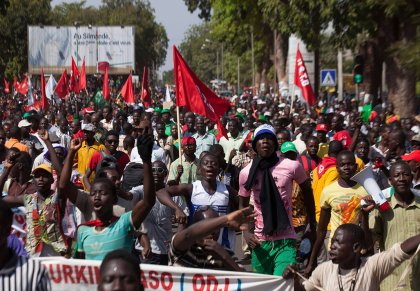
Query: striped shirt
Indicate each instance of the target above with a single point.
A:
(23, 274)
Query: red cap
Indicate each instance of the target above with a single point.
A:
(188, 140)
(413, 156)
(321, 127)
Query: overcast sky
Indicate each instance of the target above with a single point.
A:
(174, 16)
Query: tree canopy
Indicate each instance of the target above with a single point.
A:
(151, 40)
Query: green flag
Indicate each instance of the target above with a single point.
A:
(99, 99)
(366, 111)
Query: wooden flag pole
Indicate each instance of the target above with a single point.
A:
(179, 135)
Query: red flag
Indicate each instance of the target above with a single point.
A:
(302, 79)
(195, 95)
(74, 77)
(22, 87)
(102, 66)
(44, 100)
(145, 92)
(82, 79)
(61, 89)
(36, 106)
(127, 91)
(105, 88)
(6, 87)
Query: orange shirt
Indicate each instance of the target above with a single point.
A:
(14, 143)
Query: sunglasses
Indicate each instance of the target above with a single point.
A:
(158, 170)
(112, 141)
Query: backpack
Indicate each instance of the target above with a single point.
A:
(133, 176)
(107, 161)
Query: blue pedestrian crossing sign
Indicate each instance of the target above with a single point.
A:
(328, 78)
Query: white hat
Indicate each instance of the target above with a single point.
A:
(150, 110)
(267, 113)
(282, 105)
(24, 123)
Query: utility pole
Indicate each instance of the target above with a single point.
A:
(340, 75)
(252, 59)
(222, 63)
(217, 65)
(239, 80)
(275, 61)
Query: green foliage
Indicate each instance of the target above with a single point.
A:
(13, 25)
(200, 48)
(151, 40)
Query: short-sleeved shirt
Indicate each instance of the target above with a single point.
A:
(42, 225)
(204, 142)
(190, 170)
(343, 202)
(85, 153)
(121, 157)
(371, 272)
(284, 172)
(96, 244)
(158, 223)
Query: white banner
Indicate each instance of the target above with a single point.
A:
(52, 48)
(83, 275)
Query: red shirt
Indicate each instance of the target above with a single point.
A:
(96, 158)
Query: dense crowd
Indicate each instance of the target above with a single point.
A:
(128, 184)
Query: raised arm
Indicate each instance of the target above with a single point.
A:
(8, 165)
(43, 134)
(66, 189)
(187, 238)
(143, 207)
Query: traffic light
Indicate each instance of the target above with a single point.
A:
(359, 64)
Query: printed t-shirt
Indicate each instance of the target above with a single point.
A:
(96, 244)
(284, 172)
(344, 204)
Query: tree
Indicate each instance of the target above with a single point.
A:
(18, 14)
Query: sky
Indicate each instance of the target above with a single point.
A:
(174, 16)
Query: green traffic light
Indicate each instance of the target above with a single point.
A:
(358, 78)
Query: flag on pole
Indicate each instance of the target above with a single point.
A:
(302, 79)
(82, 80)
(30, 95)
(44, 100)
(62, 89)
(145, 96)
(127, 90)
(74, 77)
(6, 87)
(193, 94)
(168, 94)
(49, 89)
(105, 87)
(22, 87)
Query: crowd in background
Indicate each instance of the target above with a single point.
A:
(92, 178)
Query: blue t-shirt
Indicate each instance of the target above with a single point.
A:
(96, 244)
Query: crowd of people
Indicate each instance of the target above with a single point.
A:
(129, 185)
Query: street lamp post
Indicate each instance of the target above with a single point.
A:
(252, 58)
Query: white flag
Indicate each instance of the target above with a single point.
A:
(49, 88)
(31, 100)
(168, 94)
